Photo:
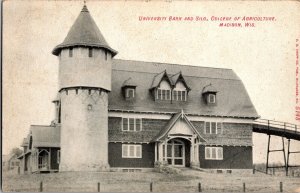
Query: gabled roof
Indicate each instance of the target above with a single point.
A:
(45, 136)
(160, 77)
(179, 77)
(233, 99)
(84, 32)
(176, 117)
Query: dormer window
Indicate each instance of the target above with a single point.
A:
(163, 92)
(179, 95)
(209, 94)
(129, 89)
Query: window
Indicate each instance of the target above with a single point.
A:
(105, 55)
(131, 151)
(211, 98)
(213, 128)
(129, 93)
(163, 94)
(90, 52)
(179, 95)
(58, 156)
(71, 52)
(214, 153)
(131, 124)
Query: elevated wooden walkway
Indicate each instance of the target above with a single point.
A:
(281, 129)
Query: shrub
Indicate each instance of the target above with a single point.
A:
(163, 167)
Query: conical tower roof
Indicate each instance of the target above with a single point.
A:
(84, 32)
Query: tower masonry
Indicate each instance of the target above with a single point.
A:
(85, 61)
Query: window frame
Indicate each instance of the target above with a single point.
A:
(135, 147)
(163, 94)
(70, 52)
(90, 52)
(127, 91)
(181, 95)
(216, 149)
(217, 125)
(134, 123)
(58, 156)
(209, 98)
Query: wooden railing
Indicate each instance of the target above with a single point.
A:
(278, 124)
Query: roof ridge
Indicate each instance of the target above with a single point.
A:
(184, 75)
(174, 64)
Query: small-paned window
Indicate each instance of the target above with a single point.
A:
(211, 98)
(214, 153)
(132, 124)
(131, 151)
(179, 95)
(163, 94)
(90, 52)
(129, 92)
(213, 128)
(71, 52)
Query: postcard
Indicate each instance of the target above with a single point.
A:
(150, 96)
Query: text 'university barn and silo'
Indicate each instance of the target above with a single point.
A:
(244, 21)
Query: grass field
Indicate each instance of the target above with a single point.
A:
(186, 181)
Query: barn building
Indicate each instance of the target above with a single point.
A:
(114, 114)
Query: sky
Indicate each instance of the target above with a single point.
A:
(263, 56)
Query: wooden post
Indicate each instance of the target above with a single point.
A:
(98, 187)
(268, 151)
(281, 187)
(41, 186)
(199, 187)
(283, 149)
(288, 157)
(151, 186)
(244, 187)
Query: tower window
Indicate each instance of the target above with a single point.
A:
(71, 52)
(105, 55)
(90, 52)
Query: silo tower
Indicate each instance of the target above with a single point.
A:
(85, 61)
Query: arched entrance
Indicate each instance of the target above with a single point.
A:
(178, 152)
